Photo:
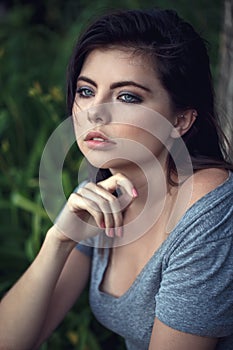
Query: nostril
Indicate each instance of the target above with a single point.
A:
(93, 117)
(98, 115)
(98, 120)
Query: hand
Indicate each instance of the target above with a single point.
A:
(94, 208)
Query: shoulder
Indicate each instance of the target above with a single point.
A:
(206, 191)
(204, 207)
(205, 181)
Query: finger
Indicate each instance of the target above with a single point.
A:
(119, 181)
(102, 200)
(77, 203)
(107, 202)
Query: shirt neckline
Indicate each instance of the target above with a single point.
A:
(208, 196)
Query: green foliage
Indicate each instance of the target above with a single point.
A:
(35, 44)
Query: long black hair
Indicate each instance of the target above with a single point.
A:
(182, 64)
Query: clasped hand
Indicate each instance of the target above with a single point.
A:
(94, 208)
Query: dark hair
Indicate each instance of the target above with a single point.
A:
(182, 65)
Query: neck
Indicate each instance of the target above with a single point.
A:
(150, 183)
(153, 197)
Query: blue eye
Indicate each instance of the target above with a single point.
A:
(129, 98)
(85, 92)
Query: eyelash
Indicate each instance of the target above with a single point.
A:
(134, 98)
(80, 91)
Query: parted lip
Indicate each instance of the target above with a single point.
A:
(95, 134)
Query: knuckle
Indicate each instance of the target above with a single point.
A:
(119, 176)
(81, 190)
(71, 202)
(113, 200)
(89, 185)
(122, 179)
(72, 198)
(103, 203)
(93, 205)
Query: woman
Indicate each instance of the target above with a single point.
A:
(141, 96)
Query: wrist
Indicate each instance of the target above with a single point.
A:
(59, 240)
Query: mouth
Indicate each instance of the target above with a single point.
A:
(96, 139)
(96, 136)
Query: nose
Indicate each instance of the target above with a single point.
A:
(99, 114)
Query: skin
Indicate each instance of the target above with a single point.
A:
(98, 87)
(134, 86)
(51, 276)
(94, 88)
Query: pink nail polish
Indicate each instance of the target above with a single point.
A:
(134, 193)
(119, 232)
(111, 232)
(102, 225)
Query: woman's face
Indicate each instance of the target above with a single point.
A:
(121, 109)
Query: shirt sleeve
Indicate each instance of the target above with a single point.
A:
(196, 291)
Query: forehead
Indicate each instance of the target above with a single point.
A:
(118, 57)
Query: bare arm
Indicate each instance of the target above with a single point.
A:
(70, 285)
(39, 300)
(24, 308)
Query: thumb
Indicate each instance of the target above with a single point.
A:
(125, 200)
(119, 181)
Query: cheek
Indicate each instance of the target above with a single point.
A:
(147, 123)
(155, 141)
(152, 144)
(79, 114)
(80, 124)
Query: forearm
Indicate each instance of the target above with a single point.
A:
(24, 308)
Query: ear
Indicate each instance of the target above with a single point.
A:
(183, 123)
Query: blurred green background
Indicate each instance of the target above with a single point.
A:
(36, 40)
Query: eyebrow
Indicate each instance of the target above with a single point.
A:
(117, 84)
(129, 83)
(87, 80)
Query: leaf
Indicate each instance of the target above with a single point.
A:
(22, 202)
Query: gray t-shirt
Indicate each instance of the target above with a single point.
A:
(187, 284)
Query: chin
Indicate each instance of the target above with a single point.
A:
(107, 164)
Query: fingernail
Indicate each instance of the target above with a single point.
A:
(102, 225)
(110, 232)
(119, 232)
(134, 193)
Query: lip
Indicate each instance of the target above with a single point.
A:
(96, 134)
(98, 140)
